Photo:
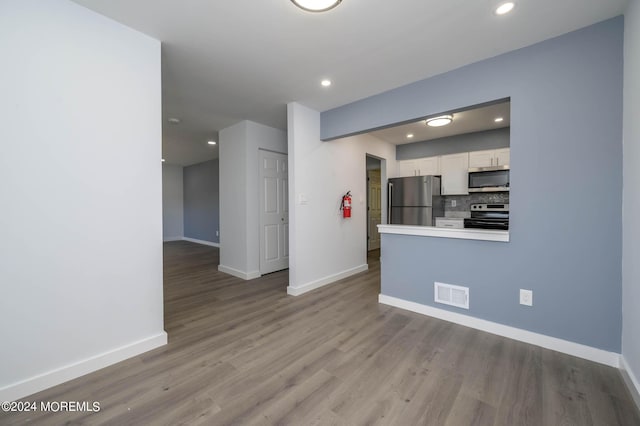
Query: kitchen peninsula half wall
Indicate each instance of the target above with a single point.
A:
(566, 112)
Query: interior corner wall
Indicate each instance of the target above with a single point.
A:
(201, 201)
(566, 188)
(239, 194)
(81, 246)
(233, 203)
(631, 197)
(172, 203)
(324, 246)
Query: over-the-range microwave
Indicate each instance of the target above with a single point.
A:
(489, 179)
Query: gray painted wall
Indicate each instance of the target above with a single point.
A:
(172, 202)
(201, 201)
(631, 239)
(373, 163)
(478, 141)
(566, 188)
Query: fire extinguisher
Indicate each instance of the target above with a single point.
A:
(346, 205)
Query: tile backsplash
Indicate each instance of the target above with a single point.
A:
(463, 202)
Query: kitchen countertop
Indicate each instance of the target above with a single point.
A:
(432, 231)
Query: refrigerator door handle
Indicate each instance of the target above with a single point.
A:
(389, 198)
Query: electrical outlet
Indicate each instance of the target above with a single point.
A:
(454, 203)
(526, 297)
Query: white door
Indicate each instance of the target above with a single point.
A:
(374, 208)
(274, 212)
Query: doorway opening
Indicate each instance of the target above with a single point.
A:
(374, 201)
(274, 212)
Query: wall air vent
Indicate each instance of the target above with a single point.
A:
(452, 295)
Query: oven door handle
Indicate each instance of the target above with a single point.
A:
(488, 222)
(485, 224)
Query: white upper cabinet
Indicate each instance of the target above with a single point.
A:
(489, 158)
(454, 168)
(407, 168)
(503, 156)
(419, 167)
(481, 158)
(455, 174)
(429, 166)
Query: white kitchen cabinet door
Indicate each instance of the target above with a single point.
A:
(489, 158)
(502, 157)
(481, 158)
(429, 166)
(455, 174)
(407, 168)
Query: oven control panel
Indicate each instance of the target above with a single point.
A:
(490, 207)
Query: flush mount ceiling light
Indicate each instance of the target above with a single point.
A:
(505, 8)
(211, 142)
(325, 83)
(316, 5)
(409, 135)
(439, 121)
(499, 120)
(162, 160)
(174, 120)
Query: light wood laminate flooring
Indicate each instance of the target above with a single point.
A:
(247, 353)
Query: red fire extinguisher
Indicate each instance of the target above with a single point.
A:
(346, 205)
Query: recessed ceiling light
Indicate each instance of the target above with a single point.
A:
(162, 160)
(499, 120)
(409, 135)
(505, 8)
(439, 121)
(316, 5)
(174, 120)
(211, 142)
(325, 83)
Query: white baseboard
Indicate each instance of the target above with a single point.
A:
(305, 288)
(238, 273)
(630, 380)
(55, 377)
(203, 242)
(169, 239)
(576, 349)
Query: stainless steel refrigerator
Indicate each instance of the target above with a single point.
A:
(414, 200)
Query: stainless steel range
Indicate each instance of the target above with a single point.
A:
(488, 216)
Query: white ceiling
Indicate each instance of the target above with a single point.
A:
(470, 120)
(225, 61)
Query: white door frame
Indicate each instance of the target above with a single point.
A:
(381, 162)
